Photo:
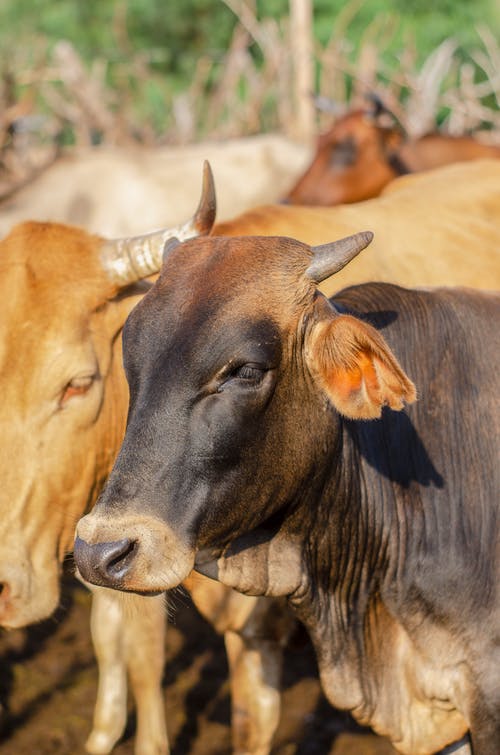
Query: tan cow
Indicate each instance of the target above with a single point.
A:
(65, 297)
(432, 228)
(62, 422)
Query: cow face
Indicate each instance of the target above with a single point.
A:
(65, 296)
(352, 162)
(238, 369)
(58, 352)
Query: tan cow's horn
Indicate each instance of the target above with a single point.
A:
(330, 258)
(131, 259)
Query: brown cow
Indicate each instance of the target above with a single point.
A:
(359, 155)
(248, 456)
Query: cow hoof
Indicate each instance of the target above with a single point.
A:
(152, 748)
(99, 743)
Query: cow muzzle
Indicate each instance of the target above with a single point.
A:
(136, 553)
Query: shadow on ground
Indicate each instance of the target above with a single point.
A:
(48, 685)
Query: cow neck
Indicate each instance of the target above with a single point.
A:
(345, 551)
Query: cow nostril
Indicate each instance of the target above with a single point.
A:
(4, 591)
(105, 563)
(120, 560)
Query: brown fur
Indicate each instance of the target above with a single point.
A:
(358, 156)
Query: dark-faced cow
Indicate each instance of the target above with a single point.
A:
(440, 228)
(267, 446)
(360, 154)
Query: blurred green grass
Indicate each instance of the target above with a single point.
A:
(150, 51)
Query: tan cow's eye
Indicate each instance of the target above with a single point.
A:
(77, 387)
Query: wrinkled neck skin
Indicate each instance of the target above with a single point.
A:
(310, 552)
(341, 564)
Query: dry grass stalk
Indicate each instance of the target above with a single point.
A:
(249, 91)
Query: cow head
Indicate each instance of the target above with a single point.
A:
(66, 295)
(354, 159)
(239, 370)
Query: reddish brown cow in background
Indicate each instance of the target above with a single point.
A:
(363, 151)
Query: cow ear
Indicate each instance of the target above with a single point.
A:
(356, 368)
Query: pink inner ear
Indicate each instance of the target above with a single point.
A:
(358, 370)
(356, 391)
(348, 381)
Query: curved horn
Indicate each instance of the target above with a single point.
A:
(330, 258)
(128, 260)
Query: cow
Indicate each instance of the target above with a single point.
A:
(273, 443)
(120, 191)
(427, 228)
(361, 153)
(66, 296)
(67, 264)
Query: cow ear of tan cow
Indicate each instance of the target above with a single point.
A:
(356, 368)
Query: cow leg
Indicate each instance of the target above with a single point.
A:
(128, 633)
(255, 632)
(255, 666)
(110, 712)
(145, 624)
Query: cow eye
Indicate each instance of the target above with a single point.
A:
(249, 375)
(79, 386)
(343, 153)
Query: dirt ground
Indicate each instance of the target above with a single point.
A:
(48, 686)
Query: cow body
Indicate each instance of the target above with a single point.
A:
(117, 191)
(248, 454)
(360, 155)
(428, 227)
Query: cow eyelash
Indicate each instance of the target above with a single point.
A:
(249, 374)
(77, 387)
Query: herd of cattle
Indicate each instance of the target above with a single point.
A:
(328, 460)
